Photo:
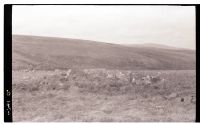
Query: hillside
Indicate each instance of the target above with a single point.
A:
(33, 52)
(157, 46)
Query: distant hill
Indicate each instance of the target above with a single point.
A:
(34, 52)
(153, 45)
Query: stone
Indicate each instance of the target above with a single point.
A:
(172, 95)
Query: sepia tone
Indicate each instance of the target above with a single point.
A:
(72, 80)
(68, 79)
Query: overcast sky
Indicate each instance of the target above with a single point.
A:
(168, 25)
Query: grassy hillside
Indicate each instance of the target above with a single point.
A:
(33, 52)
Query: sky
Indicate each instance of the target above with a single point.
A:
(167, 25)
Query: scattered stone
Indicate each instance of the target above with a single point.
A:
(172, 95)
(133, 80)
(109, 75)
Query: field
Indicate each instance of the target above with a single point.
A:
(102, 95)
(63, 79)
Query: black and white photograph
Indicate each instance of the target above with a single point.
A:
(103, 63)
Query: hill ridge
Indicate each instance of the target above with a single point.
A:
(33, 52)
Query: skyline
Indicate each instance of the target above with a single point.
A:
(167, 25)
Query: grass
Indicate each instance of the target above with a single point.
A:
(49, 96)
(34, 52)
(137, 83)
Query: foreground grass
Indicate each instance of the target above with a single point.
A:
(51, 96)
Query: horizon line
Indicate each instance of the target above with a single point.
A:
(125, 44)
